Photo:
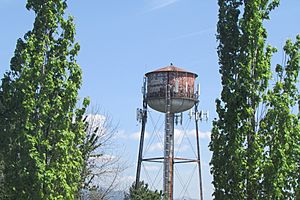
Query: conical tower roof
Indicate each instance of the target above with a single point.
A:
(170, 68)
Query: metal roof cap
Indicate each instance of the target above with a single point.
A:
(171, 68)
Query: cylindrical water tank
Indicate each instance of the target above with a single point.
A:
(181, 84)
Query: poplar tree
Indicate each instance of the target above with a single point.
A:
(40, 127)
(255, 140)
(280, 131)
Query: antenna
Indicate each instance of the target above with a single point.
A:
(139, 115)
(144, 87)
(198, 90)
(204, 115)
(178, 118)
(190, 114)
(200, 115)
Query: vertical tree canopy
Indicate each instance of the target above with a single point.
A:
(39, 126)
(255, 140)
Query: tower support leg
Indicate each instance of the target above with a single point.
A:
(198, 151)
(141, 146)
(168, 174)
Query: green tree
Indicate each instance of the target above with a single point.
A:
(2, 188)
(2, 191)
(40, 127)
(280, 131)
(243, 134)
(142, 192)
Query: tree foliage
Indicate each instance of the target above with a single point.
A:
(2, 190)
(255, 140)
(40, 128)
(142, 192)
(280, 131)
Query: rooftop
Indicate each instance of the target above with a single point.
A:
(170, 68)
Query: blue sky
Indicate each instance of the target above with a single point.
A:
(122, 40)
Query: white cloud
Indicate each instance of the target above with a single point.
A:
(107, 157)
(125, 182)
(192, 133)
(96, 118)
(182, 148)
(179, 136)
(136, 135)
(160, 147)
(156, 147)
(159, 4)
(104, 158)
(151, 167)
(96, 122)
(128, 178)
(121, 135)
(205, 135)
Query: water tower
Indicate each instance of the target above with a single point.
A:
(169, 90)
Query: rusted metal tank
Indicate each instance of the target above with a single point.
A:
(181, 84)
